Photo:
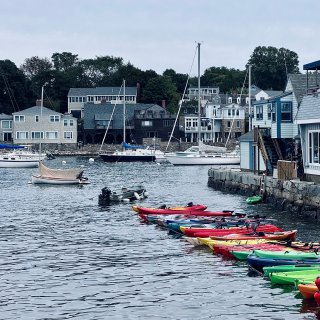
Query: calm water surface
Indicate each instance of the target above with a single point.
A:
(64, 257)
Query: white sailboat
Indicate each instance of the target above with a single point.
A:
(131, 153)
(197, 155)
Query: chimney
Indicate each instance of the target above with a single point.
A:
(38, 102)
(163, 104)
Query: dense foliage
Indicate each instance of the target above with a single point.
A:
(20, 87)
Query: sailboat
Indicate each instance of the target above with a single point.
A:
(48, 175)
(197, 155)
(131, 153)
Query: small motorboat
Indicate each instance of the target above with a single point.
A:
(124, 194)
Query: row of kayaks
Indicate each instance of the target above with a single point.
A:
(266, 248)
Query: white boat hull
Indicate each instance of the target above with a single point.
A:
(207, 159)
(18, 162)
(56, 181)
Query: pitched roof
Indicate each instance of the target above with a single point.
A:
(309, 109)
(37, 110)
(247, 137)
(100, 91)
(273, 93)
(299, 84)
(4, 116)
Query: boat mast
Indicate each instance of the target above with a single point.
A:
(41, 106)
(124, 114)
(249, 93)
(199, 103)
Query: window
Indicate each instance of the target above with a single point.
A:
(65, 122)
(273, 113)
(6, 124)
(314, 147)
(54, 118)
(71, 122)
(36, 118)
(67, 134)
(51, 135)
(22, 135)
(286, 112)
(18, 118)
(228, 124)
(269, 110)
(259, 112)
(238, 123)
(146, 123)
(229, 112)
(168, 123)
(230, 100)
(36, 135)
(151, 134)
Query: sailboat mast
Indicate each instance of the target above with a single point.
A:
(124, 114)
(41, 106)
(199, 102)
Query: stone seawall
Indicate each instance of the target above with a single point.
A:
(288, 195)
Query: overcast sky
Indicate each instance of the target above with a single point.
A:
(159, 34)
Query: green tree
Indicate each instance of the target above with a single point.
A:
(159, 89)
(226, 79)
(178, 79)
(13, 88)
(270, 66)
(64, 61)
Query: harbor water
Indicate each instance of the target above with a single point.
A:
(65, 257)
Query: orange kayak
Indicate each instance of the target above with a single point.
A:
(170, 210)
(307, 290)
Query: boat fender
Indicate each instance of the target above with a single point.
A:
(136, 195)
(317, 282)
(145, 194)
(126, 200)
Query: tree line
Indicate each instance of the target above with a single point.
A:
(21, 86)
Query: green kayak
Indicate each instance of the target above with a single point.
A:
(291, 255)
(240, 255)
(294, 277)
(253, 199)
(289, 268)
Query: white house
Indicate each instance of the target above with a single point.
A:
(42, 125)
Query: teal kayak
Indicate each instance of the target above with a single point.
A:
(253, 199)
(287, 255)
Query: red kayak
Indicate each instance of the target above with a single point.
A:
(173, 210)
(206, 232)
(260, 235)
(189, 214)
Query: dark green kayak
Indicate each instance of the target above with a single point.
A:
(253, 199)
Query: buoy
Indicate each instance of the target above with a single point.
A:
(317, 297)
(126, 200)
(145, 194)
(317, 283)
(64, 162)
(82, 166)
(136, 195)
(91, 160)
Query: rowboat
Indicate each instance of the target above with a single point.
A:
(260, 235)
(169, 210)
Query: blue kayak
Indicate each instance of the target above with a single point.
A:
(258, 263)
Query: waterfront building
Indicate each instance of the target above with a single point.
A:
(5, 127)
(78, 97)
(38, 124)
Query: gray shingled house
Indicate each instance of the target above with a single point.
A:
(142, 121)
(5, 127)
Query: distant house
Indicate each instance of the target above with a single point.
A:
(78, 97)
(308, 120)
(42, 125)
(274, 126)
(5, 127)
(143, 121)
